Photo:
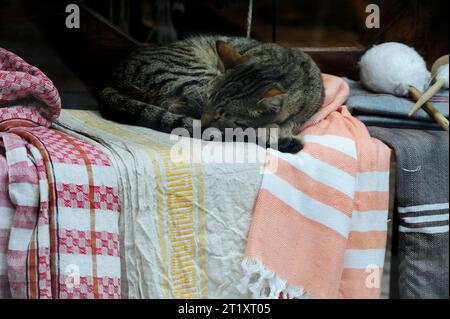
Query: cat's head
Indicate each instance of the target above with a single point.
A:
(247, 93)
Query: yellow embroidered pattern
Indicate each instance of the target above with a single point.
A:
(179, 204)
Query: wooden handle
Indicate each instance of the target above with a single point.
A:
(427, 96)
(430, 109)
(439, 62)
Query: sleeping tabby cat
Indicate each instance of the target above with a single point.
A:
(227, 82)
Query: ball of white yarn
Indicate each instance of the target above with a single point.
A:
(393, 67)
(442, 74)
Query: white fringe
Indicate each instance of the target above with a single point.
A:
(265, 284)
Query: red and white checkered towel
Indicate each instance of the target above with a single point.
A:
(59, 202)
(20, 81)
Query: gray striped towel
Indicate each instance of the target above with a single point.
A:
(423, 210)
(391, 111)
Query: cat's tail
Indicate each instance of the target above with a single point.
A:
(118, 107)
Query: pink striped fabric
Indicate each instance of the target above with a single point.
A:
(22, 185)
(6, 216)
(320, 222)
(59, 202)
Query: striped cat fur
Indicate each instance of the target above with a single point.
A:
(227, 82)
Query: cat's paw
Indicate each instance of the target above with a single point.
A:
(290, 145)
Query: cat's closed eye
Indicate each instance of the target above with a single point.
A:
(220, 114)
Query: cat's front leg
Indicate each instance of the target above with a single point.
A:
(291, 144)
(182, 106)
(287, 141)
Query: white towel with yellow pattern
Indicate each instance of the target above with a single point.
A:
(185, 215)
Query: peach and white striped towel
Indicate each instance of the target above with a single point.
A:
(320, 221)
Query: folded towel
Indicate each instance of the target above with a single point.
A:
(423, 210)
(320, 221)
(59, 203)
(22, 84)
(392, 122)
(391, 111)
(6, 216)
(184, 224)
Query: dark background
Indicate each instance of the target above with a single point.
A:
(79, 61)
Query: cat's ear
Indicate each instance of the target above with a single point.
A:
(228, 55)
(273, 100)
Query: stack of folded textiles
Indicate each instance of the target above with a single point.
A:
(422, 198)
(59, 201)
(386, 110)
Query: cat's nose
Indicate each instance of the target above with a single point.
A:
(206, 119)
